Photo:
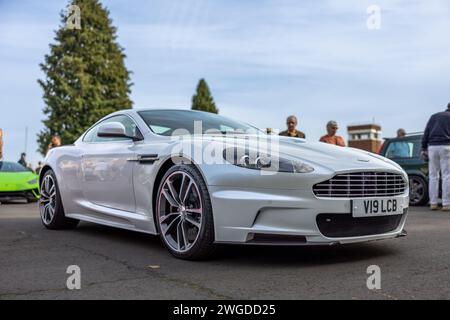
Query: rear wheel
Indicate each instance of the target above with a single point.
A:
(184, 214)
(418, 191)
(50, 205)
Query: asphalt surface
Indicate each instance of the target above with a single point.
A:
(117, 264)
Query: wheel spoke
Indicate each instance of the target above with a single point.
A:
(47, 213)
(184, 188)
(167, 216)
(43, 187)
(169, 198)
(173, 192)
(186, 192)
(181, 192)
(44, 195)
(179, 235)
(47, 185)
(183, 232)
(43, 213)
(52, 190)
(194, 210)
(51, 211)
(192, 221)
(170, 225)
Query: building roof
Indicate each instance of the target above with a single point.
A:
(364, 126)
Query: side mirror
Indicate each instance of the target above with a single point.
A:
(114, 130)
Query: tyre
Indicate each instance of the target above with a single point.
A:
(184, 217)
(418, 191)
(50, 205)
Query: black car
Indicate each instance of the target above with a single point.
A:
(406, 152)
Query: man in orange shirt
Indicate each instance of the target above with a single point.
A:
(331, 137)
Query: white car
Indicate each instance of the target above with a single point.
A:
(134, 170)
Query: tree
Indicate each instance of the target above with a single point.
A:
(85, 75)
(202, 99)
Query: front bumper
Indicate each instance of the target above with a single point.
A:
(295, 217)
(30, 194)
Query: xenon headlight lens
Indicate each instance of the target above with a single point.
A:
(249, 160)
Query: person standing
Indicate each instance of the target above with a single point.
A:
(291, 123)
(436, 145)
(399, 149)
(401, 133)
(55, 142)
(23, 159)
(331, 137)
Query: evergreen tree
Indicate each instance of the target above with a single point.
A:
(85, 75)
(202, 99)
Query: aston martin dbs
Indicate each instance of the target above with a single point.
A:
(198, 180)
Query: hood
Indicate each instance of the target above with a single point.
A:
(317, 154)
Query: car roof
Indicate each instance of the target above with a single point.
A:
(411, 136)
(135, 110)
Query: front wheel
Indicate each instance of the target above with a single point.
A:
(184, 214)
(50, 205)
(418, 191)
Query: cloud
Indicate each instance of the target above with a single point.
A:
(263, 59)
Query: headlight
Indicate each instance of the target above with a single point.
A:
(257, 161)
(34, 181)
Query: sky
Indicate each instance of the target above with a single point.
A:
(263, 60)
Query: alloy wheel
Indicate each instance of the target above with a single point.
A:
(180, 211)
(47, 201)
(416, 190)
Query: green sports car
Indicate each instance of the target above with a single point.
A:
(17, 182)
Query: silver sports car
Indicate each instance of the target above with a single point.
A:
(199, 179)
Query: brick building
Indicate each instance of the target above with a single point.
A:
(365, 136)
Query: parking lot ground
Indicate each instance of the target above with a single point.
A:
(118, 264)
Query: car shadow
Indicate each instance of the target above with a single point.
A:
(119, 235)
(15, 202)
(304, 255)
(251, 255)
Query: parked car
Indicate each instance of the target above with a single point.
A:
(406, 152)
(18, 182)
(135, 170)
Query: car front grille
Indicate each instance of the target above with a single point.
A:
(361, 185)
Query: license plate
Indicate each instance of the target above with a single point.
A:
(377, 207)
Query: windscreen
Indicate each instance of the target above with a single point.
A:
(169, 122)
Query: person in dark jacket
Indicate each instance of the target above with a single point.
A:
(436, 146)
(23, 159)
(291, 123)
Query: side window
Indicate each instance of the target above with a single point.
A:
(131, 129)
(417, 148)
(400, 149)
(89, 136)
